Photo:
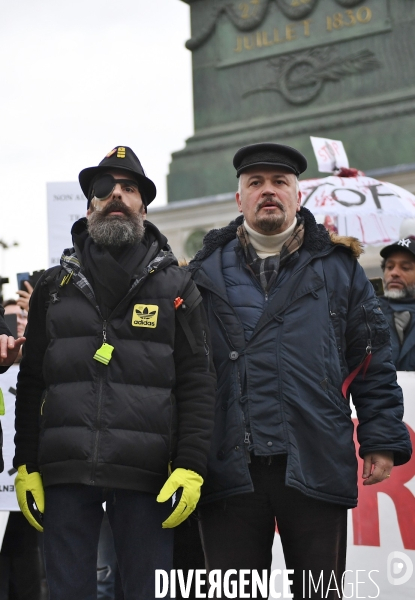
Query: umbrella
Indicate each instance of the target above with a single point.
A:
(352, 204)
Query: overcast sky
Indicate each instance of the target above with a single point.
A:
(78, 78)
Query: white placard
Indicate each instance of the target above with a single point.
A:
(4, 517)
(66, 204)
(330, 154)
(381, 530)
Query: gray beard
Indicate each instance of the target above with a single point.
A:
(406, 292)
(116, 231)
(270, 223)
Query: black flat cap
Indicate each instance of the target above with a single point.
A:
(120, 158)
(407, 244)
(275, 155)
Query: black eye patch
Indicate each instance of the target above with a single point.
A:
(104, 186)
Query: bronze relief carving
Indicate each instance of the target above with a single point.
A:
(248, 15)
(299, 78)
(296, 9)
(348, 3)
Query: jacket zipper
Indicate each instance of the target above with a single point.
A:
(99, 409)
(137, 283)
(43, 404)
(206, 347)
(369, 332)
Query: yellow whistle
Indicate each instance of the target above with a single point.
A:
(104, 354)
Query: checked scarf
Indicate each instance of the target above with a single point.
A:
(266, 269)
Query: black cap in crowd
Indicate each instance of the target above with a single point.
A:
(407, 244)
(275, 155)
(120, 158)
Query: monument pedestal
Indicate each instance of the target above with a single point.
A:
(282, 70)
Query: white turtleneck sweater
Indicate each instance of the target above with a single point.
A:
(268, 245)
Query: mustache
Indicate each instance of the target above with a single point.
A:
(270, 200)
(116, 205)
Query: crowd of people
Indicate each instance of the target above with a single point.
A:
(146, 389)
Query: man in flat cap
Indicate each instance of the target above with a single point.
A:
(398, 303)
(115, 392)
(295, 329)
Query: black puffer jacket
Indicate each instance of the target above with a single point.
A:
(116, 425)
(285, 381)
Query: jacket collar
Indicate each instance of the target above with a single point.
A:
(70, 259)
(316, 238)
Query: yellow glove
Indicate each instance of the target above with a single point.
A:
(30, 496)
(186, 499)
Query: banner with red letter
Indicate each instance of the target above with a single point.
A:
(381, 531)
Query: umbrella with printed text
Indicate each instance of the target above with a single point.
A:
(351, 203)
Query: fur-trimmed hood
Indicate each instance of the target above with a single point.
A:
(354, 245)
(316, 238)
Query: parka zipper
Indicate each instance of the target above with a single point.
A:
(369, 333)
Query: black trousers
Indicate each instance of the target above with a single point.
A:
(21, 562)
(238, 533)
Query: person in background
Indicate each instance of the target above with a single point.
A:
(9, 347)
(398, 302)
(9, 351)
(24, 296)
(12, 307)
(5, 339)
(21, 564)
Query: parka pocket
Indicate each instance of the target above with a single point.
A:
(367, 331)
(335, 396)
(377, 328)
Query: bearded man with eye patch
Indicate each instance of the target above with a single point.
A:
(115, 392)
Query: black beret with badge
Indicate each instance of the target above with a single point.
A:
(269, 154)
(120, 158)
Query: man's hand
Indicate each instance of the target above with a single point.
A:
(30, 495)
(382, 466)
(186, 484)
(9, 349)
(24, 296)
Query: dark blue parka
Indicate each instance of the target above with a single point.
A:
(403, 355)
(281, 362)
